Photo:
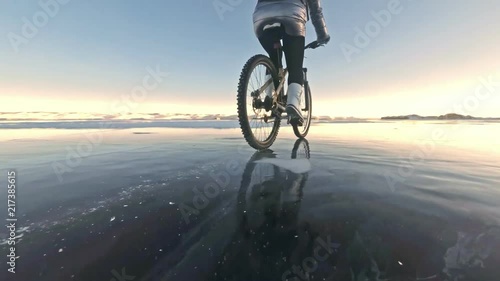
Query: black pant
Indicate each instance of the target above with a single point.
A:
(293, 46)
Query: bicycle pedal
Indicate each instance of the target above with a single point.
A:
(297, 122)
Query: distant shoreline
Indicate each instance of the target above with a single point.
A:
(6, 117)
(449, 116)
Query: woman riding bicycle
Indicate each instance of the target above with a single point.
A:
(286, 19)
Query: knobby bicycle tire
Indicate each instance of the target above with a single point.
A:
(248, 134)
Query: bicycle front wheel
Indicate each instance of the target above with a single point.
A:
(306, 110)
(258, 123)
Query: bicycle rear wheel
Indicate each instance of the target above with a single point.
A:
(306, 110)
(259, 126)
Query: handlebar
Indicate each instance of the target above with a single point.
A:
(313, 45)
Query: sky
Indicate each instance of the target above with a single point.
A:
(422, 57)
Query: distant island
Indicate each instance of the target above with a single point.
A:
(449, 116)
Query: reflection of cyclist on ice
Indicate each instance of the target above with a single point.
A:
(269, 239)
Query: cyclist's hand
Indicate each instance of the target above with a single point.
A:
(324, 40)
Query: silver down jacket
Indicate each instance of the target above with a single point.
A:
(292, 14)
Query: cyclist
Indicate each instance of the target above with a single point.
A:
(286, 19)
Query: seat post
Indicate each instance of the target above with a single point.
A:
(278, 47)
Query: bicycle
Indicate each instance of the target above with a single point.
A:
(268, 112)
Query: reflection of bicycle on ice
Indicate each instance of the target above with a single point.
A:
(269, 239)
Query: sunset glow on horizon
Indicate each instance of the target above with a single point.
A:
(430, 59)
